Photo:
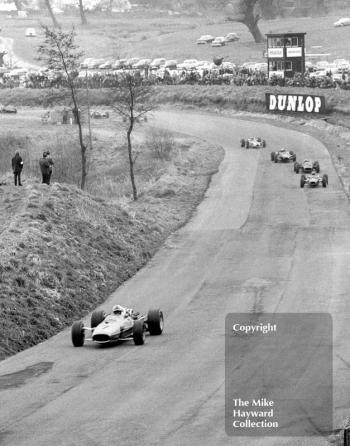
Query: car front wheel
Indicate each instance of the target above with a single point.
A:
(155, 322)
(78, 334)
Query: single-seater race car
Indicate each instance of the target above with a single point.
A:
(122, 324)
(306, 166)
(255, 142)
(283, 155)
(314, 180)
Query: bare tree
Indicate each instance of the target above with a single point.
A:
(133, 102)
(60, 53)
(18, 5)
(82, 13)
(52, 15)
(245, 11)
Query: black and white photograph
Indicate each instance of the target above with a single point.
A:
(174, 223)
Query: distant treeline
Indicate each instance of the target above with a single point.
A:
(269, 8)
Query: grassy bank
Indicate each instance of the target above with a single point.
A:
(64, 250)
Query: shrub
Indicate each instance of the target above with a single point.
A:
(161, 143)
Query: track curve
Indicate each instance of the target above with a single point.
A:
(246, 248)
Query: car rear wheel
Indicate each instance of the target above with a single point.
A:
(272, 156)
(296, 167)
(302, 181)
(97, 317)
(317, 166)
(247, 144)
(276, 158)
(242, 142)
(138, 332)
(264, 143)
(155, 322)
(78, 334)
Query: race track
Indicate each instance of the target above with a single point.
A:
(257, 243)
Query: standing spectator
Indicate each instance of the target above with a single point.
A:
(51, 163)
(45, 169)
(17, 166)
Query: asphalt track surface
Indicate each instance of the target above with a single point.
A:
(257, 243)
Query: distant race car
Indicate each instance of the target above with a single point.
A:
(122, 324)
(314, 180)
(306, 166)
(255, 142)
(283, 155)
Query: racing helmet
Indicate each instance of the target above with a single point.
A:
(313, 172)
(117, 309)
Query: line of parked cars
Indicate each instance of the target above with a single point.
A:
(217, 41)
(152, 65)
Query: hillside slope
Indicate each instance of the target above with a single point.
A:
(64, 251)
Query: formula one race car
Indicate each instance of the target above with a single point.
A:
(314, 180)
(283, 155)
(255, 142)
(306, 166)
(122, 324)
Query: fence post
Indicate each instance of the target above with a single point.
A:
(347, 436)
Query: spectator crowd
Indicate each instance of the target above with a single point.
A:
(238, 76)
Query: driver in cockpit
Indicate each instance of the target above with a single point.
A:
(122, 311)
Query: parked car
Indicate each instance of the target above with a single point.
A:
(30, 32)
(157, 63)
(344, 21)
(218, 41)
(106, 65)
(95, 63)
(132, 61)
(231, 37)
(118, 64)
(99, 114)
(188, 64)
(171, 64)
(8, 109)
(85, 63)
(205, 39)
(142, 63)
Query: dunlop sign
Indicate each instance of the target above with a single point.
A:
(298, 103)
